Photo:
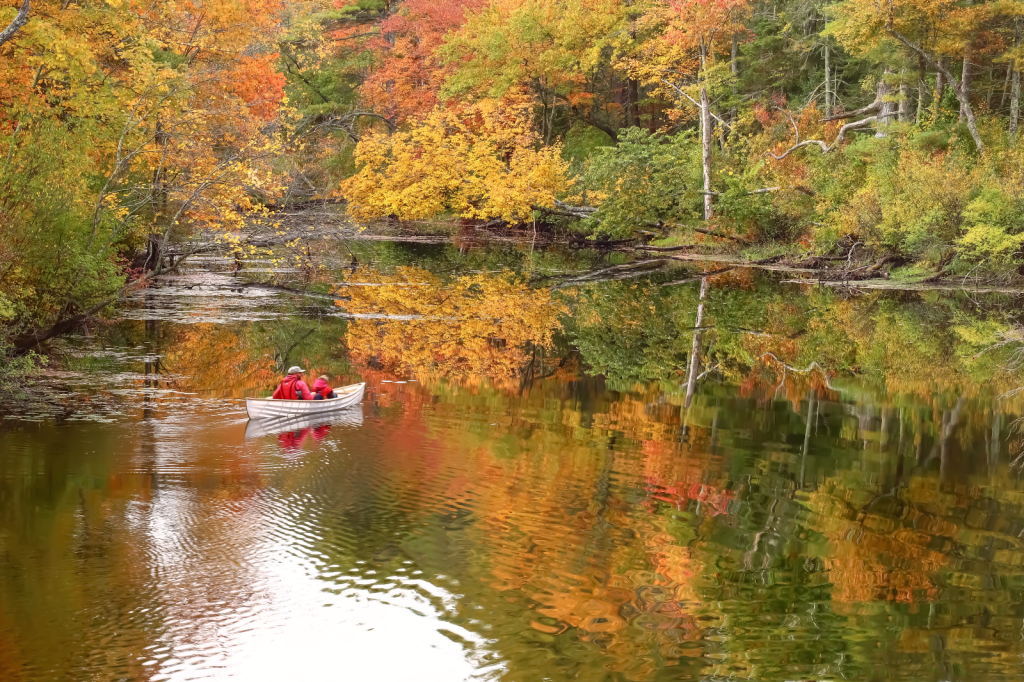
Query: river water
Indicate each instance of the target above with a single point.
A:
(524, 493)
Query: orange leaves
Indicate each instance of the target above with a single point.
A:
(691, 34)
(409, 75)
(259, 85)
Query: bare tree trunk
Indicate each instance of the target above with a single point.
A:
(1015, 87)
(633, 99)
(904, 103)
(734, 67)
(20, 19)
(734, 57)
(886, 108)
(705, 143)
(828, 84)
(965, 84)
(698, 334)
(1010, 66)
(1014, 103)
(922, 88)
(940, 88)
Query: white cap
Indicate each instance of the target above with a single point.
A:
(295, 369)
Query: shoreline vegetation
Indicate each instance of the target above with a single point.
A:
(849, 142)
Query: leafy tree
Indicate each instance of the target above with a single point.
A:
(501, 172)
(645, 180)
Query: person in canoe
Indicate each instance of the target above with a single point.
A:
(321, 391)
(292, 387)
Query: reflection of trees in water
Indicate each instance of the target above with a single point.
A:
(782, 542)
(780, 527)
(474, 327)
(239, 359)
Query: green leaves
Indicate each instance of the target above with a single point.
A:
(646, 179)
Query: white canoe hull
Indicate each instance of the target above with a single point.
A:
(265, 408)
(349, 417)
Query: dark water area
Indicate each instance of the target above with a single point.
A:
(525, 493)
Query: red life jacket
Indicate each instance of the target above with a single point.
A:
(287, 391)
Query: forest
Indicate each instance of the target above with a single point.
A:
(689, 329)
(880, 132)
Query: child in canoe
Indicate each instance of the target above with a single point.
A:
(321, 390)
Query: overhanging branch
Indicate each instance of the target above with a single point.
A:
(827, 148)
(20, 19)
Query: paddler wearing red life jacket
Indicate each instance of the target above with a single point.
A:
(292, 387)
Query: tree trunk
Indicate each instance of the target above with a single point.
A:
(965, 85)
(887, 108)
(20, 19)
(904, 103)
(691, 382)
(940, 89)
(734, 67)
(1014, 103)
(922, 88)
(633, 99)
(1015, 87)
(1010, 66)
(828, 84)
(705, 143)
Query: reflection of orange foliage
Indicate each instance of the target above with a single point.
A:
(875, 557)
(478, 326)
(212, 357)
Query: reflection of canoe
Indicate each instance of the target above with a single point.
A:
(263, 408)
(353, 416)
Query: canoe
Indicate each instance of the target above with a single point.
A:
(264, 408)
(350, 417)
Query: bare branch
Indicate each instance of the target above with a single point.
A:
(693, 101)
(763, 190)
(345, 121)
(826, 148)
(19, 20)
(872, 108)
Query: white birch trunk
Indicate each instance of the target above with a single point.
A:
(1014, 103)
(922, 88)
(965, 84)
(887, 109)
(940, 89)
(705, 144)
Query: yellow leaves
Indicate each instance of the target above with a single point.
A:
(480, 161)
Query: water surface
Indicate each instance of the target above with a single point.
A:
(524, 494)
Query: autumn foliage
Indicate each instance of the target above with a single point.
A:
(477, 161)
(474, 327)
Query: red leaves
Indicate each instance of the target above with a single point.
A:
(409, 74)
